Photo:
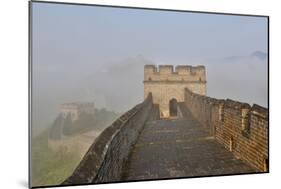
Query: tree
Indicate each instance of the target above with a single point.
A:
(56, 129)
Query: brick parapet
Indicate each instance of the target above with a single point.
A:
(107, 156)
(241, 128)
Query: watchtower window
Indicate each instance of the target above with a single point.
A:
(200, 79)
(149, 79)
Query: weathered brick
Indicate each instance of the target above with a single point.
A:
(252, 149)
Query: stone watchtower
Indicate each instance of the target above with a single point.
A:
(74, 109)
(167, 84)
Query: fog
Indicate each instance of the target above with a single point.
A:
(97, 54)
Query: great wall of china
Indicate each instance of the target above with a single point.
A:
(178, 131)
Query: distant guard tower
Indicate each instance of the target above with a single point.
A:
(74, 109)
(167, 84)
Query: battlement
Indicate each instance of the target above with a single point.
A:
(98, 164)
(169, 69)
(241, 128)
(179, 73)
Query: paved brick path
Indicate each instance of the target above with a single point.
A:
(179, 148)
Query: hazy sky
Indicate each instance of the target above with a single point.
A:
(87, 53)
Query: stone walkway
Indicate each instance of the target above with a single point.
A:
(179, 148)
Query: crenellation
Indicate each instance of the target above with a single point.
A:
(166, 69)
(259, 111)
(241, 128)
(236, 105)
(180, 73)
(183, 69)
(150, 68)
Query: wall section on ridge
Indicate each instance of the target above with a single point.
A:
(106, 158)
(241, 128)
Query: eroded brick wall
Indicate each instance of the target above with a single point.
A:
(241, 128)
(106, 158)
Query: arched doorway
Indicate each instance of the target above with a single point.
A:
(173, 107)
